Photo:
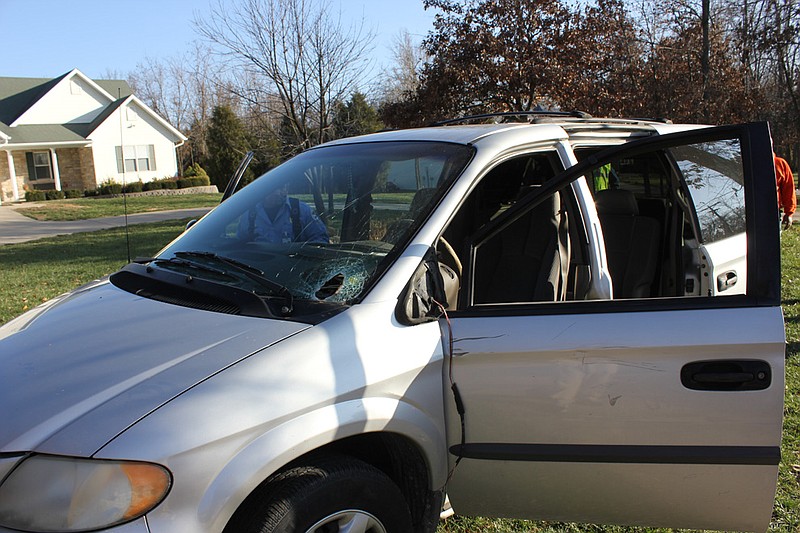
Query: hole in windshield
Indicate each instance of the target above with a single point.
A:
(325, 224)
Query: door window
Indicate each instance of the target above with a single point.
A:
(672, 217)
(714, 177)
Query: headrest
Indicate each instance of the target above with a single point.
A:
(616, 202)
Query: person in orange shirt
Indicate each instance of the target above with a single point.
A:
(787, 201)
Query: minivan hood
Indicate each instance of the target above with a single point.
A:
(77, 373)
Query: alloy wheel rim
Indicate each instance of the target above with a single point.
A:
(348, 521)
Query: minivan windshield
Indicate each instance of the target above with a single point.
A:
(320, 227)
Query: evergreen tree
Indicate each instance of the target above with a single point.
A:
(227, 144)
(356, 117)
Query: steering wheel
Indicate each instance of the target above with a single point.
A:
(447, 255)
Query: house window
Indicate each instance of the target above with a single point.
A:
(39, 168)
(136, 158)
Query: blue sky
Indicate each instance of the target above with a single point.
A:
(46, 38)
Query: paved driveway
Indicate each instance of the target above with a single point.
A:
(15, 227)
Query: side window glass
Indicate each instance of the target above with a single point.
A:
(673, 221)
(529, 258)
(521, 247)
(714, 176)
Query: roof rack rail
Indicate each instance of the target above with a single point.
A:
(508, 114)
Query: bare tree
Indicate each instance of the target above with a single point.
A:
(183, 90)
(403, 76)
(292, 60)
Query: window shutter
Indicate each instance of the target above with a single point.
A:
(151, 155)
(118, 149)
(31, 166)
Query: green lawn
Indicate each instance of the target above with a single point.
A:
(84, 208)
(36, 271)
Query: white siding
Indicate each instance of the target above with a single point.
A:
(65, 105)
(143, 130)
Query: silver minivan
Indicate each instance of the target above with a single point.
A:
(559, 318)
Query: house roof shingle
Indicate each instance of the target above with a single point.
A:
(17, 95)
(49, 133)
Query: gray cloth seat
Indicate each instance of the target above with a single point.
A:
(527, 261)
(632, 243)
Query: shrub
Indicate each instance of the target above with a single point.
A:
(34, 196)
(54, 195)
(163, 183)
(154, 185)
(74, 193)
(194, 181)
(196, 171)
(135, 186)
(110, 187)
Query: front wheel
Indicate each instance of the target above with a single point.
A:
(337, 494)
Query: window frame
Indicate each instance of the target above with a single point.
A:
(33, 173)
(763, 277)
(133, 154)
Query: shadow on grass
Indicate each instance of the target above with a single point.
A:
(792, 349)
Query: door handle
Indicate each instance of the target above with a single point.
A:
(726, 280)
(727, 375)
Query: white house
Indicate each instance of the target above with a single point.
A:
(72, 132)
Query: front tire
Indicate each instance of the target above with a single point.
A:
(336, 494)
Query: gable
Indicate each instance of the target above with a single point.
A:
(17, 95)
(71, 108)
(135, 119)
(74, 100)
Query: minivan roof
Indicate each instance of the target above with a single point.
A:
(542, 127)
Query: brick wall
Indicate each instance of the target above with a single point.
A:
(76, 167)
(6, 193)
(21, 170)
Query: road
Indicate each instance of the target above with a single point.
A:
(16, 228)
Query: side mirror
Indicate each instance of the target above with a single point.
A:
(190, 224)
(233, 183)
(426, 295)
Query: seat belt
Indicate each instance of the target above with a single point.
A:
(294, 213)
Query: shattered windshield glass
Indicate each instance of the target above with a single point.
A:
(321, 226)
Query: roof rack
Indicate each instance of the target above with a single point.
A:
(509, 114)
(541, 116)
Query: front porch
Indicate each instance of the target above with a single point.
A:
(44, 168)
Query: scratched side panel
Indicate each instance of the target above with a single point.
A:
(614, 379)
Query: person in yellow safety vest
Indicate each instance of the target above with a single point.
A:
(605, 178)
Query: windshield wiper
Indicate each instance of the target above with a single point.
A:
(250, 272)
(182, 262)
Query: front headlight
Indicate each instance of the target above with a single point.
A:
(49, 493)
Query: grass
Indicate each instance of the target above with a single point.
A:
(36, 271)
(85, 208)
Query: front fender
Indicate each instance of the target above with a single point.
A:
(294, 438)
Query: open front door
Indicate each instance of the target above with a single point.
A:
(662, 410)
